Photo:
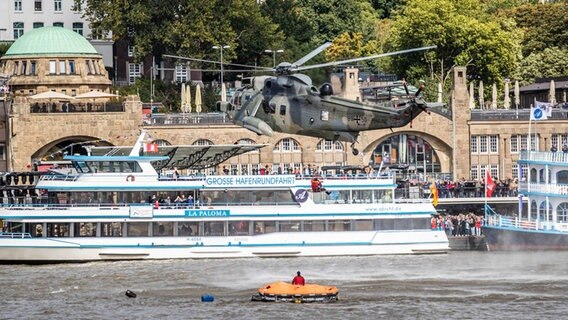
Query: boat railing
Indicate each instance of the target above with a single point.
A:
(15, 235)
(560, 157)
(498, 220)
(57, 177)
(548, 188)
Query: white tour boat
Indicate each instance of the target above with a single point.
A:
(543, 223)
(108, 208)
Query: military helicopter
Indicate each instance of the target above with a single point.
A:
(288, 102)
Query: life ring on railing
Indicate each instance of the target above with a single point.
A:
(130, 178)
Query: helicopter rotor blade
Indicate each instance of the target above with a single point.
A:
(312, 54)
(376, 56)
(217, 62)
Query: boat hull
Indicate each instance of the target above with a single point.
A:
(499, 238)
(57, 250)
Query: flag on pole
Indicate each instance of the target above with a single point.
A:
(489, 184)
(434, 193)
(541, 111)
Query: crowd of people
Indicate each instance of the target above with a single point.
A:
(460, 225)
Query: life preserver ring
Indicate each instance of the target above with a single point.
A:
(130, 178)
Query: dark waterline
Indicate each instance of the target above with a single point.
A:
(459, 285)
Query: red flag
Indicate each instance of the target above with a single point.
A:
(489, 184)
(150, 147)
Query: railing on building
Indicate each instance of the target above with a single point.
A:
(174, 119)
(544, 188)
(514, 114)
(76, 108)
(552, 157)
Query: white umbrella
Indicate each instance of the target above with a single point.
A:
(494, 97)
(471, 94)
(517, 94)
(223, 92)
(481, 93)
(95, 95)
(507, 100)
(49, 95)
(198, 99)
(183, 99)
(552, 93)
(439, 92)
(188, 98)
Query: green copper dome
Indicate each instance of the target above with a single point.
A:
(50, 41)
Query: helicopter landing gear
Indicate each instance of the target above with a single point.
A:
(354, 150)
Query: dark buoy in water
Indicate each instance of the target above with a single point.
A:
(207, 298)
(130, 294)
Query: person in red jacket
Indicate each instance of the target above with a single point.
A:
(299, 280)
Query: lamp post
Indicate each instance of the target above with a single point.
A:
(221, 48)
(274, 55)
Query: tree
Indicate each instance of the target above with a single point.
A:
(185, 27)
(544, 25)
(464, 34)
(551, 62)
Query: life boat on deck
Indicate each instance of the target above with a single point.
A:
(285, 292)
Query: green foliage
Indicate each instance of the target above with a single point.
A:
(465, 35)
(544, 26)
(551, 62)
(387, 8)
(4, 47)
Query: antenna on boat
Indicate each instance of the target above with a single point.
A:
(136, 149)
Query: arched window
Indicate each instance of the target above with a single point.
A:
(203, 142)
(287, 156)
(542, 211)
(562, 212)
(533, 175)
(287, 145)
(562, 177)
(329, 145)
(162, 143)
(534, 210)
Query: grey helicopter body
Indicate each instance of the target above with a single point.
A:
(288, 102)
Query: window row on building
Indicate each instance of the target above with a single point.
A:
(481, 144)
(19, 27)
(46, 5)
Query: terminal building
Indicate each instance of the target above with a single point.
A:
(456, 143)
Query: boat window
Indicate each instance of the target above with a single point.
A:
(284, 197)
(111, 229)
(263, 197)
(385, 224)
(214, 228)
(35, 229)
(238, 197)
(289, 226)
(186, 229)
(363, 225)
(317, 225)
(261, 227)
(85, 229)
(114, 166)
(238, 228)
(82, 167)
(137, 229)
(58, 229)
(163, 229)
(403, 224)
(339, 225)
(362, 196)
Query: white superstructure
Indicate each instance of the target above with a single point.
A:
(111, 209)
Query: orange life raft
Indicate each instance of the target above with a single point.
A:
(285, 292)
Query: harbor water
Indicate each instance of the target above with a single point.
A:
(457, 285)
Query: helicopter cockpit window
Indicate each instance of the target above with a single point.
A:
(324, 115)
(285, 82)
(282, 110)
